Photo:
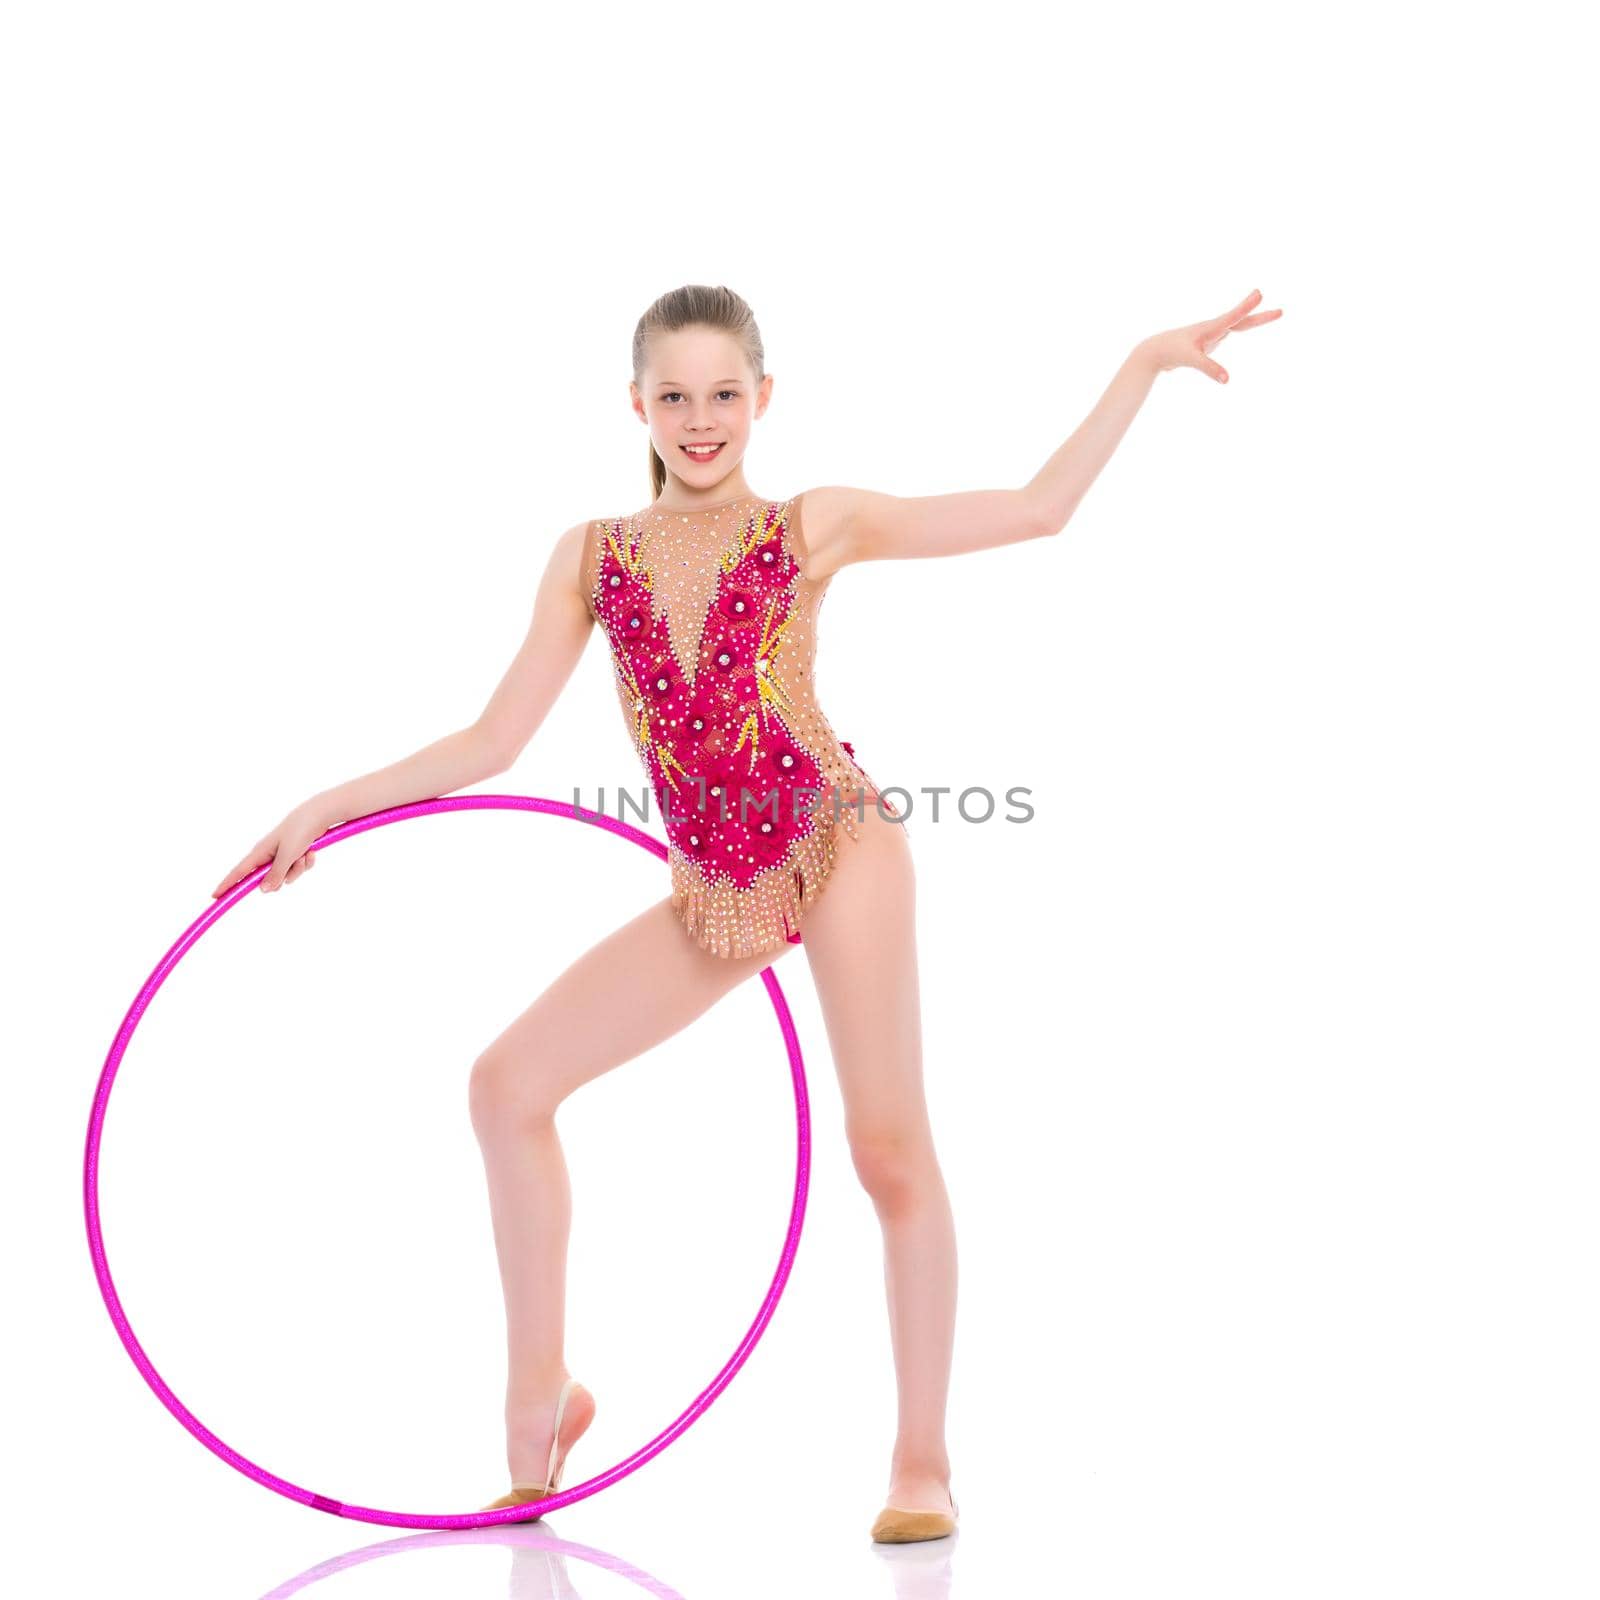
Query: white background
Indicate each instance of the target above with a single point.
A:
(1261, 1062)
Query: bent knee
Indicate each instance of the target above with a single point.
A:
(509, 1088)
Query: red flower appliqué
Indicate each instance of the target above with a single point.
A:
(732, 822)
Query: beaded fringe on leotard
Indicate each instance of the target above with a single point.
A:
(729, 921)
(764, 917)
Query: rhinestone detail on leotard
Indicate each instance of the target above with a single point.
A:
(712, 631)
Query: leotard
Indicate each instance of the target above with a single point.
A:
(712, 630)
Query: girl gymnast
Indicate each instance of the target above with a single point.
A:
(708, 601)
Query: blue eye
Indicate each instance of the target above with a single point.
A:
(731, 393)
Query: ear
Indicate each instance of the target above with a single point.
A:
(636, 399)
(764, 395)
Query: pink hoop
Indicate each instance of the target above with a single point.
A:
(404, 1519)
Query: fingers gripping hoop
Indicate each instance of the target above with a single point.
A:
(406, 1519)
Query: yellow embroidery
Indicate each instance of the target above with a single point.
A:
(665, 756)
(640, 718)
(629, 562)
(748, 729)
(768, 687)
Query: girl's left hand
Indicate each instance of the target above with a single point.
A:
(1191, 346)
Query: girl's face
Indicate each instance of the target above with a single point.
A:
(698, 389)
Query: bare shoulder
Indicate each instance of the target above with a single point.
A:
(569, 548)
(827, 519)
(570, 559)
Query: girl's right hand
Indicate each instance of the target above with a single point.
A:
(287, 847)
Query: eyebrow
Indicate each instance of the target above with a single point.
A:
(678, 383)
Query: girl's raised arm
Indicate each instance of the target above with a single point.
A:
(844, 525)
(555, 640)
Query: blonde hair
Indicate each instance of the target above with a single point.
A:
(695, 305)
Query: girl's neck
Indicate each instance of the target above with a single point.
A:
(674, 498)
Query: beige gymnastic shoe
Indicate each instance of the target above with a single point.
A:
(525, 1493)
(896, 1525)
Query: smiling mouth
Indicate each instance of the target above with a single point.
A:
(701, 452)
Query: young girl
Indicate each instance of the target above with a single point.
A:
(708, 600)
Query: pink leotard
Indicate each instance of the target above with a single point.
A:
(713, 632)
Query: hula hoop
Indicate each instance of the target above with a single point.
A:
(407, 1519)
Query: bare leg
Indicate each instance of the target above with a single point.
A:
(572, 1033)
(860, 939)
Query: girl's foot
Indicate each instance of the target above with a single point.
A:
(914, 1491)
(919, 1506)
(529, 1430)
